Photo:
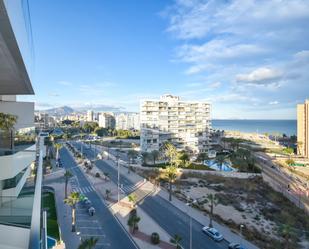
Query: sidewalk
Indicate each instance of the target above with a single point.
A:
(195, 214)
(55, 181)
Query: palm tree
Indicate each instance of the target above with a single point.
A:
(176, 240)
(171, 175)
(133, 221)
(7, 122)
(132, 198)
(72, 200)
(171, 154)
(155, 155)
(67, 175)
(58, 147)
(213, 202)
(89, 243)
(184, 157)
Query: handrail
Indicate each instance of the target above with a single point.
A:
(35, 231)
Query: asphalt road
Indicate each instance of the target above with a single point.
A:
(114, 234)
(170, 218)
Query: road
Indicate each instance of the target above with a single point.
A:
(170, 218)
(113, 235)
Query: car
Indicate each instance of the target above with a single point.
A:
(235, 246)
(213, 233)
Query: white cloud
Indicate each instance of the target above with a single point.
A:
(257, 49)
(215, 85)
(260, 76)
(273, 103)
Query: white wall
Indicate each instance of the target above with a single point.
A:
(12, 237)
(24, 111)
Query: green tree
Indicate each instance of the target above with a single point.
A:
(286, 232)
(88, 243)
(67, 176)
(176, 240)
(133, 222)
(72, 200)
(171, 154)
(132, 198)
(7, 122)
(202, 157)
(145, 156)
(171, 175)
(131, 155)
(101, 131)
(289, 151)
(155, 156)
(213, 201)
(184, 157)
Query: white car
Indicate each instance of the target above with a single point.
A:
(213, 233)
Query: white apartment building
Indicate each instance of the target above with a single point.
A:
(107, 120)
(20, 206)
(90, 116)
(186, 124)
(127, 121)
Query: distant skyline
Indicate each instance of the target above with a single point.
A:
(250, 59)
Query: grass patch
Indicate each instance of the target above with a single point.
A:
(52, 224)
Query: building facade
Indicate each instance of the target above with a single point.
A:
(127, 121)
(303, 129)
(186, 124)
(20, 149)
(107, 120)
(90, 116)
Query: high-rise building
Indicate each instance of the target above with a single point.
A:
(127, 121)
(107, 120)
(90, 116)
(184, 123)
(303, 129)
(20, 151)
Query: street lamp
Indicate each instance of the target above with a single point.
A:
(241, 228)
(118, 178)
(188, 209)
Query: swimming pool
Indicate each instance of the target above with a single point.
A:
(225, 166)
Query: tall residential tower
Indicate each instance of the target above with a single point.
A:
(303, 129)
(184, 123)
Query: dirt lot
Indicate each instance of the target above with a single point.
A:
(271, 221)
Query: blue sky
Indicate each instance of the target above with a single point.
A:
(250, 59)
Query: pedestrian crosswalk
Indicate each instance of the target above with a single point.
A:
(83, 190)
(128, 188)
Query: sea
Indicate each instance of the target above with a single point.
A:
(288, 127)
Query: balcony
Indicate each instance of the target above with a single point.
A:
(13, 164)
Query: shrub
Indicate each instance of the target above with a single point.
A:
(155, 238)
(97, 174)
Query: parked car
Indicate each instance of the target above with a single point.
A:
(235, 246)
(213, 233)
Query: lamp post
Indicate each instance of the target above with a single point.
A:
(118, 178)
(241, 228)
(190, 223)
